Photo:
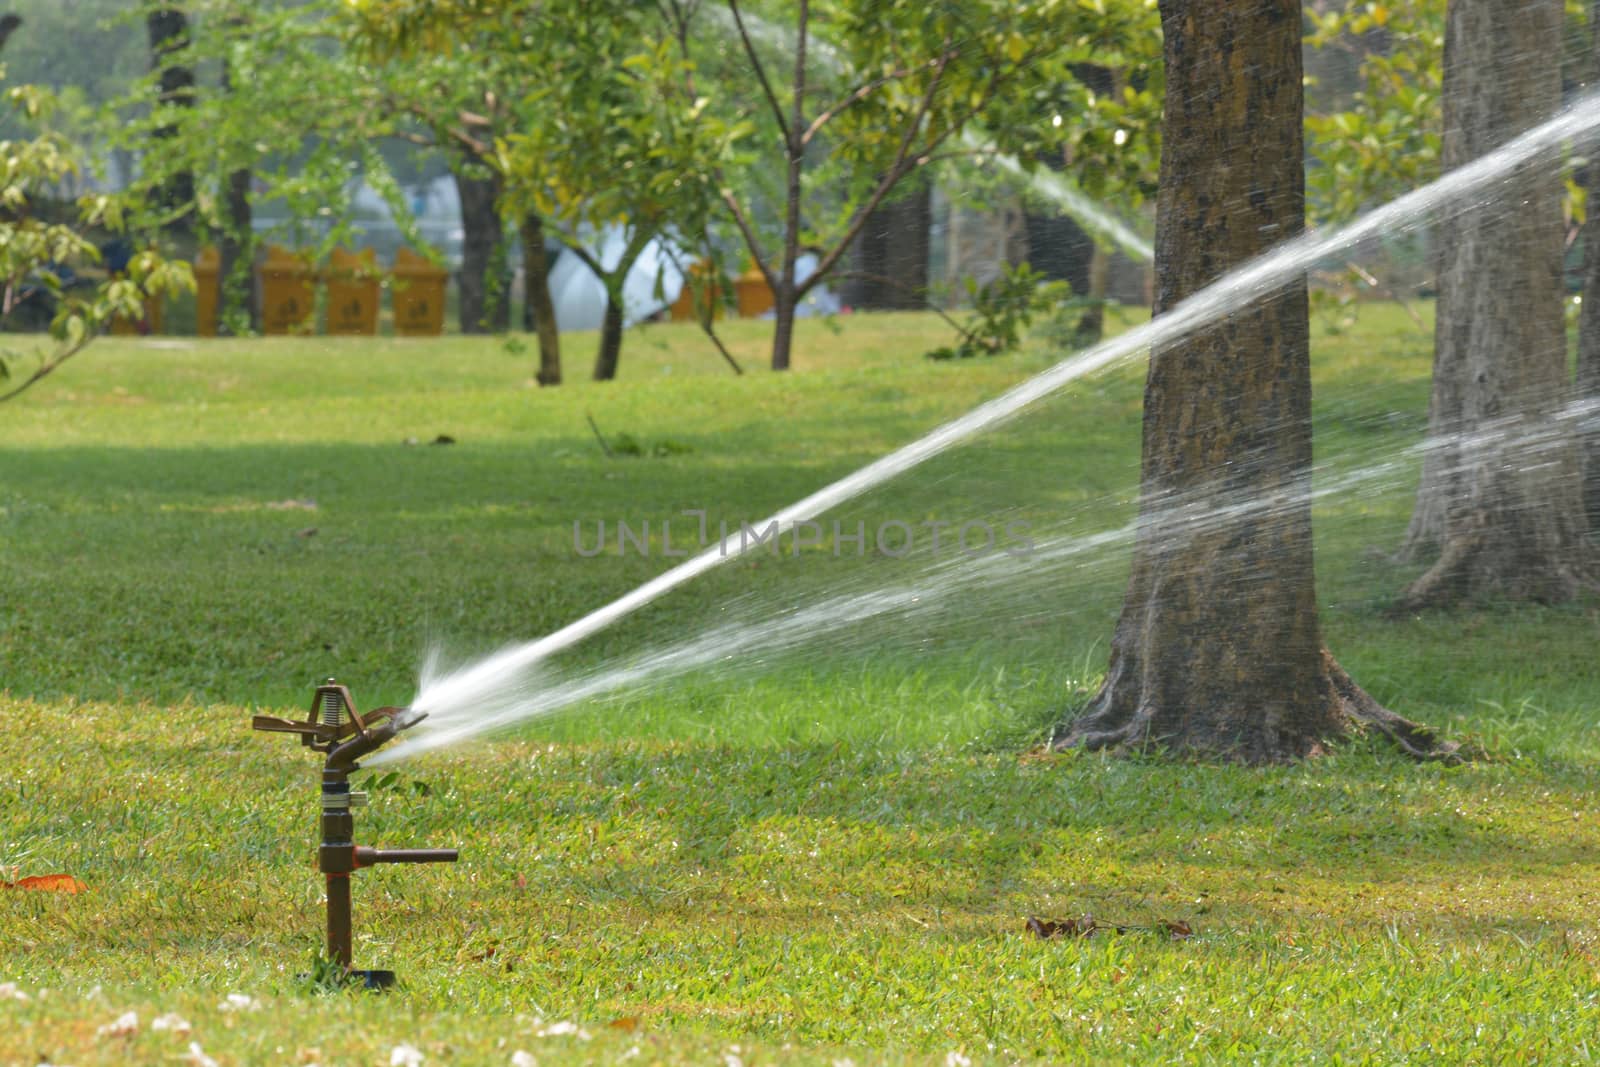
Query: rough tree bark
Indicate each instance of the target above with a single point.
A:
(168, 30)
(484, 284)
(1589, 314)
(1218, 651)
(536, 299)
(1501, 493)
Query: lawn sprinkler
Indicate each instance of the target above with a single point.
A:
(335, 726)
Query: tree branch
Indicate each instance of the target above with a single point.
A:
(577, 249)
(855, 96)
(920, 293)
(761, 72)
(612, 279)
(49, 366)
(746, 230)
(704, 321)
(897, 170)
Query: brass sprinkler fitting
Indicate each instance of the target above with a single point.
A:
(336, 728)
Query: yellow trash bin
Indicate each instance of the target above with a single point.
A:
(288, 295)
(418, 295)
(154, 314)
(700, 288)
(352, 292)
(207, 290)
(753, 294)
(150, 322)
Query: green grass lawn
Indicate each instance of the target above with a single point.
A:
(812, 855)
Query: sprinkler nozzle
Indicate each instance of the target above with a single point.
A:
(389, 723)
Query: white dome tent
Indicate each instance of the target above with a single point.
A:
(580, 297)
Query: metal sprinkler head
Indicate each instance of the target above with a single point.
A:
(336, 728)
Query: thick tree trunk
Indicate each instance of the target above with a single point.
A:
(1092, 323)
(536, 297)
(237, 248)
(1589, 357)
(1501, 494)
(484, 284)
(1218, 651)
(891, 256)
(1059, 249)
(1589, 316)
(610, 353)
(168, 30)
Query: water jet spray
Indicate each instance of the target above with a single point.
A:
(334, 726)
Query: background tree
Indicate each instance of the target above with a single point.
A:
(615, 149)
(857, 95)
(170, 60)
(1218, 650)
(1382, 139)
(618, 152)
(1501, 491)
(236, 249)
(458, 103)
(255, 138)
(538, 307)
(484, 281)
(40, 255)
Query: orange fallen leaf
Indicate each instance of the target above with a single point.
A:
(48, 883)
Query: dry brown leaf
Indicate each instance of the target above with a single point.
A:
(1044, 929)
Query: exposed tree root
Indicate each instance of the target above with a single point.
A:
(1471, 566)
(1414, 739)
(1443, 584)
(1119, 721)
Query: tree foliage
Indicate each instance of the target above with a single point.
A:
(277, 97)
(41, 247)
(1386, 141)
(607, 141)
(850, 97)
(773, 127)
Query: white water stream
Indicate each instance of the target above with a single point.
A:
(494, 691)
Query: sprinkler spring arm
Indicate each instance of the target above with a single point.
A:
(346, 741)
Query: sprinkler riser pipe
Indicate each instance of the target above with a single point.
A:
(336, 859)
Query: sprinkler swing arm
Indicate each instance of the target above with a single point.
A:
(333, 726)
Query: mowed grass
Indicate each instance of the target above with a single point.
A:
(811, 858)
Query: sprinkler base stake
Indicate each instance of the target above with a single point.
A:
(375, 981)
